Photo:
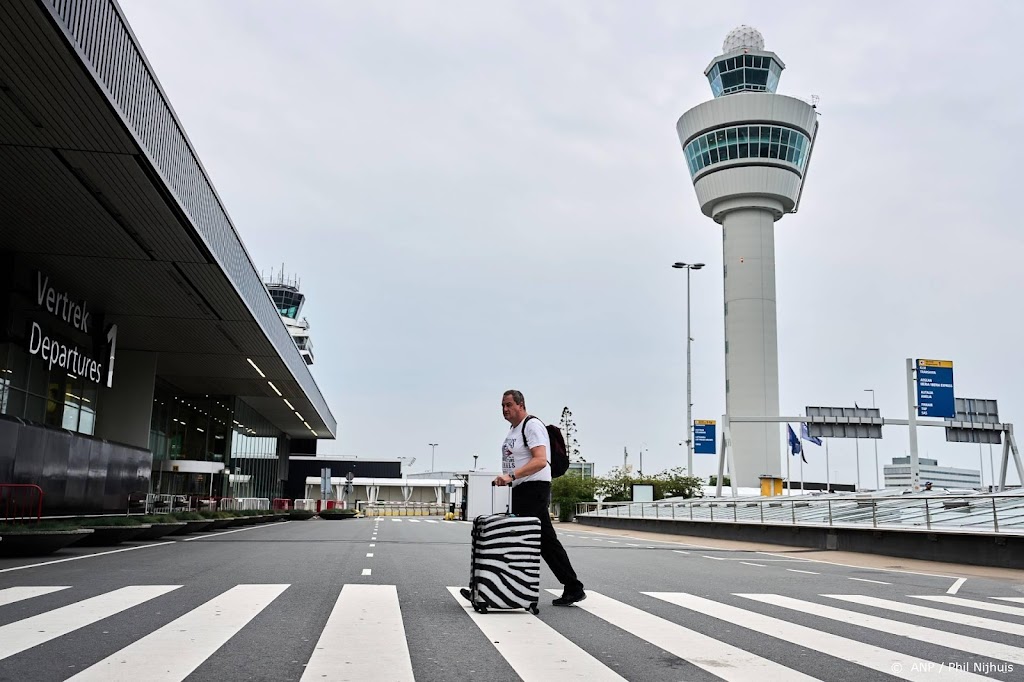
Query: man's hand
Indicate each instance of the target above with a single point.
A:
(503, 480)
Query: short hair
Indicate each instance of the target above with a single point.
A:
(517, 397)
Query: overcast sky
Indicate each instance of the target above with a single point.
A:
(488, 195)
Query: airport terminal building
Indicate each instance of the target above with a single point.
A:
(140, 350)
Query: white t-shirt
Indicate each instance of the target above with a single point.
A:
(515, 454)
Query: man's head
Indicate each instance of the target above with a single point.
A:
(513, 406)
(928, 485)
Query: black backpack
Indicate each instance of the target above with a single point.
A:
(558, 456)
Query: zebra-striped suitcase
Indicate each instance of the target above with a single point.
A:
(505, 562)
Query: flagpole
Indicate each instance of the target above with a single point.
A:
(801, 475)
(789, 481)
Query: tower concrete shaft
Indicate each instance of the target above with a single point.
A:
(748, 151)
(751, 343)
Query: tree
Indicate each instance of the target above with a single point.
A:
(568, 426)
(617, 486)
(569, 489)
(713, 480)
(675, 483)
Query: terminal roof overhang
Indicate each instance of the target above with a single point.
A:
(102, 190)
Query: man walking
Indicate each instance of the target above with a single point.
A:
(524, 466)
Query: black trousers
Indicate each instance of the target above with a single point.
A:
(533, 498)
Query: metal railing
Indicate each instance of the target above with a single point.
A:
(1001, 513)
(402, 508)
(20, 502)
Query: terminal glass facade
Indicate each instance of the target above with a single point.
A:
(744, 72)
(32, 390)
(215, 429)
(734, 143)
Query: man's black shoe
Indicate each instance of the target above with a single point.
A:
(569, 598)
(467, 593)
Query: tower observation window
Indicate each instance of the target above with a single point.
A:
(748, 141)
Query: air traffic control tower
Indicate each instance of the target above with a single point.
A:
(748, 151)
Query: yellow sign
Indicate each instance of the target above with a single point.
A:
(935, 363)
(704, 422)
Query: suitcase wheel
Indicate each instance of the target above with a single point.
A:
(533, 608)
(479, 608)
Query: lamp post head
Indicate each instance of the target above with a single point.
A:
(688, 266)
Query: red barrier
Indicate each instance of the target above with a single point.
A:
(281, 503)
(21, 502)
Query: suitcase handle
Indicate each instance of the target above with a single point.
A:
(508, 507)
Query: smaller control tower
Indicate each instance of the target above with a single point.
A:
(288, 299)
(748, 151)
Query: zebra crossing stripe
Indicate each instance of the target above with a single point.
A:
(951, 640)
(13, 594)
(364, 638)
(178, 648)
(414, 520)
(718, 658)
(1019, 600)
(33, 631)
(903, 666)
(536, 651)
(972, 604)
(938, 614)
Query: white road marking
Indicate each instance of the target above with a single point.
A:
(364, 638)
(889, 662)
(397, 520)
(372, 545)
(866, 580)
(632, 544)
(413, 520)
(613, 542)
(955, 587)
(981, 647)
(29, 632)
(174, 651)
(866, 568)
(369, 555)
(718, 658)
(84, 556)
(366, 571)
(13, 594)
(747, 563)
(679, 551)
(225, 532)
(928, 612)
(1019, 600)
(536, 651)
(716, 558)
(430, 521)
(797, 570)
(972, 604)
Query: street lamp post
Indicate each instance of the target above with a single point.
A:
(474, 462)
(689, 339)
(874, 440)
(432, 446)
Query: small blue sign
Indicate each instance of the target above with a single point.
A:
(704, 437)
(935, 389)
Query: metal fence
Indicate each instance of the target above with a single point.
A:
(20, 502)
(1001, 513)
(402, 508)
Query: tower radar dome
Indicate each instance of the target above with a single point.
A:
(743, 37)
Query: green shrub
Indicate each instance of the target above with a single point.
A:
(189, 516)
(107, 521)
(33, 526)
(159, 518)
(337, 513)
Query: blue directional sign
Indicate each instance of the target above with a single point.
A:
(704, 437)
(935, 389)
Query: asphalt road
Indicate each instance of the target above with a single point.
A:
(369, 599)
